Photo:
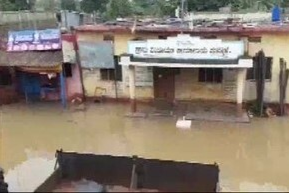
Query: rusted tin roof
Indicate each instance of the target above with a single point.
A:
(238, 29)
(31, 59)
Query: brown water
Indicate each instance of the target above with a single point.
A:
(252, 157)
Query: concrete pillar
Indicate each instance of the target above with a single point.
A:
(63, 90)
(131, 74)
(241, 78)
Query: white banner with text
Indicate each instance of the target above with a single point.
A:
(187, 47)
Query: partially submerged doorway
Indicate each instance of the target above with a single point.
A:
(164, 87)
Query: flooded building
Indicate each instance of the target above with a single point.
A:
(222, 73)
(33, 67)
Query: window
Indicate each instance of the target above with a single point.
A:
(108, 37)
(211, 75)
(5, 78)
(138, 39)
(107, 74)
(251, 72)
(112, 74)
(210, 37)
(67, 70)
(254, 39)
(162, 37)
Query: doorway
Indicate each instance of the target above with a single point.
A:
(164, 83)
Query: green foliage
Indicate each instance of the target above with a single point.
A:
(89, 6)
(48, 5)
(155, 7)
(13, 5)
(253, 5)
(68, 5)
(284, 3)
(122, 8)
(167, 8)
(207, 5)
(118, 8)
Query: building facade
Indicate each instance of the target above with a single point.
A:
(38, 70)
(198, 83)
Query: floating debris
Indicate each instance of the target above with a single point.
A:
(184, 124)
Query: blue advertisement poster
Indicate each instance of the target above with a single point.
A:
(29, 40)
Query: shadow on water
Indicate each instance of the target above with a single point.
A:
(251, 156)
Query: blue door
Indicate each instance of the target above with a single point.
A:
(30, 85)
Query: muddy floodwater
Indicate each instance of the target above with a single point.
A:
(252, 157)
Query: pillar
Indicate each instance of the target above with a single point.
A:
(63, 90)
(131, 75)
(241, 77)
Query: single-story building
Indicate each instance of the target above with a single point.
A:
(35, 75)
(39, 74)
(204, 63)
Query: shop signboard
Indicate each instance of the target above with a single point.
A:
(33, 40)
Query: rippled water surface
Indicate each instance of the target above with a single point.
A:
(252, 157)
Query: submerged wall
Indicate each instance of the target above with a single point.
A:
(276, 46)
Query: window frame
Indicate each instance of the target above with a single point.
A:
(112, 74)
(162, 37)
(214, 79)
(255, 39)
(107, 74)
(108, 37)
(253, 79)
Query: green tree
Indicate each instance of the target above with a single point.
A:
(13, 5)
(167, 8)
(48, 5)
(155, 7)
(284, 3)
(31, 4)
(141, 7)
(208, 5)
(90, 6)
(118, 8)
(260, 5)
(20, 4)
(6, 5)
(68, 5)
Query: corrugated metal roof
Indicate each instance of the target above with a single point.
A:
(31, 59)
(240, 28)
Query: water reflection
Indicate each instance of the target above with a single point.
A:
(251, 156)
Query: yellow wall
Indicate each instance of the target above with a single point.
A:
(187, 85)
(120, 40)
(275, 46)
(91, 78)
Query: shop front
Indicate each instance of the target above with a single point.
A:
(38, 75)
(190, 68)
(37, 58)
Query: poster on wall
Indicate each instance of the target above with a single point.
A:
(96, 55)
(143, 77)
(33, 40)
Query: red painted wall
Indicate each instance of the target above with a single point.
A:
(74, 83)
